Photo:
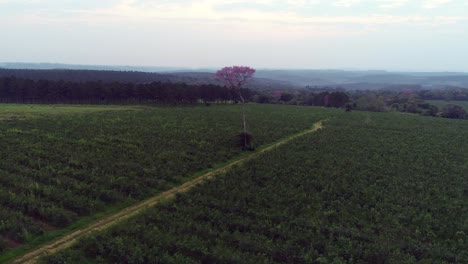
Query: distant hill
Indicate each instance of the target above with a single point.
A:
(54, 66)
(267, 79)
(363, 80)
(193, 78)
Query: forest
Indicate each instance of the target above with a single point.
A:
(19, 90)
(89, 75)
(114, 87)
(423, 102)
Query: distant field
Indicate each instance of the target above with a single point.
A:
(59, 164)
(441, 103)
(369, 188)
(22, 111)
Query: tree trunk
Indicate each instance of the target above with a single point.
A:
(243, 119)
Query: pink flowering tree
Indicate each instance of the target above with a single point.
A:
(234, 78)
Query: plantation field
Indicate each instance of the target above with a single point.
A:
(25, 111)
(441, 103)
(368, 188)
(61, 164)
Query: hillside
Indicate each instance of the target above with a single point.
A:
(191, 78)
(264, 78)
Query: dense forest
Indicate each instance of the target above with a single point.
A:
(87, 75)
(19, 90)
(76, 75)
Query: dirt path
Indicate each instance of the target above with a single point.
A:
(104, 223)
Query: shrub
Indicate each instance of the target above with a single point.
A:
(244, 140)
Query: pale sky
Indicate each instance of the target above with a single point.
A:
(314, 34)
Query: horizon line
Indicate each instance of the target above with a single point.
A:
(2, 64)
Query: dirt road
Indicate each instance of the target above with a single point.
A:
(104, 223)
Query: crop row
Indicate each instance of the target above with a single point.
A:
(56, 168)
(369, 188)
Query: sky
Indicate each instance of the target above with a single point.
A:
(418, 35)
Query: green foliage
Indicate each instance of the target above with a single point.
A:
(370, 102)
(19, 90)
(369, 188)
(454, 111)
(409, 102)
(3, 245)
(59, 164)
(244, 140)
(441, 103)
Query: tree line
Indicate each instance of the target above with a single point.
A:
(303, 97)
(20, 90)
(410, 102)
(90, 75)
(448, 94)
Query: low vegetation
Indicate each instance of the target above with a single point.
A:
(369, 188)
(60, 164)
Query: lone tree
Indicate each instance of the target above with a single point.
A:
(234, 78)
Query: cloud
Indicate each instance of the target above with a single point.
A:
(431, 4)
(301, 3)
(205, 10)
(208, 11)
(19, 1)
(346, 3)
(389, 4)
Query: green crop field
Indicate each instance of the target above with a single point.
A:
(61, 165)
(441, 103)
(368, 188)
(25, 111)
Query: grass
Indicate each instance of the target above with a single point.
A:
(23, 111)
